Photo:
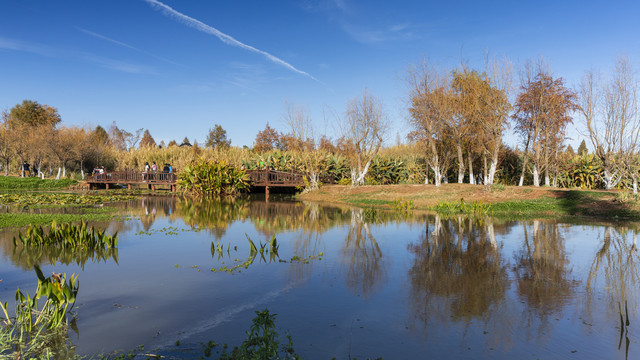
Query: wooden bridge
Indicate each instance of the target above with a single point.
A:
(257, 178)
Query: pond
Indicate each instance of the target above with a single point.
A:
(348, 282)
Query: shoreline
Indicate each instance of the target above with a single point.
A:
(502, 200)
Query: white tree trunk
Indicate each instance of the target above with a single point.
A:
(313, 180)
(64, 172)
(82, 173)
(472, 179)
(492, 168)
(536, 176)
(58, 176)
(610, 180)
(460, 165)
(492, 235)
(635, 185)
(437, 175)
(357, 179)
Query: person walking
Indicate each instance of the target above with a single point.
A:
(154, 167)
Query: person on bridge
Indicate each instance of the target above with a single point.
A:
(154, 167)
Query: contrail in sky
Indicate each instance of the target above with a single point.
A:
(198, 25)
(124, 45)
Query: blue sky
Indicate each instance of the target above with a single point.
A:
(180, 70)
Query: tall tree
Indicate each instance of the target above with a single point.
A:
(610, 112)
(6, 149)
(303, 141)
(217, 138)
(430, 106)
(61, 147)
(267, 139)
(147, 140)
(365, 126)
(100, 144)
(542, 111)
(34, 114)
(29, 124)
(582, 149)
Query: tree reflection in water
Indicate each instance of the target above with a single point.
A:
(616, 264)
(543, 275)
(457, 275)
(362, 255)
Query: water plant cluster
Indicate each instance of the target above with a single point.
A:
(271, 248)
(67, 236)
(402, 205)
(262, 341)
(207, 177)
(36, 331)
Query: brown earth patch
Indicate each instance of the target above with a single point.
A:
(425, 196)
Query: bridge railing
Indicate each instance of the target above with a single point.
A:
(275, 178)
(131, 177)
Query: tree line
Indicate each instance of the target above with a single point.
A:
(457, 119)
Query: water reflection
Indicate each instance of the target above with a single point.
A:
(457, 272)
(362, 256)
(27, 257)
(503, 284)
(616, 265)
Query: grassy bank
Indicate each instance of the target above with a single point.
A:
(501, 201)
(34, 183)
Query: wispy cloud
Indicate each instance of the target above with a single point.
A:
(108, 39)
(346, 15)
(48, 51)
(227, 39)
(396, 32)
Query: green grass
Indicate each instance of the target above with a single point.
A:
(34, 183)
(368, 202)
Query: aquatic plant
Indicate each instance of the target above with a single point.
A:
(204, 177)
(31, 332)
(402, 205)
(270, 248)
(262, 341)
(67, 236)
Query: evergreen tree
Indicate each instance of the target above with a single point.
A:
(147, 140)
(217, 137)
(582, 149)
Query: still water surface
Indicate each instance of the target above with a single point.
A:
(355, 283)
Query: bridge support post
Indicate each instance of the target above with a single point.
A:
(266, 190)
(129, 186)
(106, 186)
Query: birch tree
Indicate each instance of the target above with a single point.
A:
(304, 141)
(542, 111)
(365, 126)
(430, 104)
(610, 113)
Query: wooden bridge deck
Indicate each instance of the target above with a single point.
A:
(257, 178)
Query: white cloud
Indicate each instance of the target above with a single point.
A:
(227, 39)
(105, 38)
(47, 51)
